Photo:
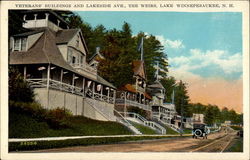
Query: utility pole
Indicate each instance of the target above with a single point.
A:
(182, 99)
(181, 116)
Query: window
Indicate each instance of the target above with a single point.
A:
(73, 60)
(77, 41)
(20, 44)
(81, 59)
(69, 56)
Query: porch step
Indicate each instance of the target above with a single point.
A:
(125, 122)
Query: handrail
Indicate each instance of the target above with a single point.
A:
(146, 122)
(169, 125)
(125, 122)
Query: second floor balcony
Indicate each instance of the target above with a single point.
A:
(127, 102)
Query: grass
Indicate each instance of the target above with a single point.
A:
(237, 128)
(143, 129)
(24, 124)
(169, 130)
(187, 131)
(237, 145)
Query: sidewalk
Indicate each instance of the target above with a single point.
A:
(83, 137)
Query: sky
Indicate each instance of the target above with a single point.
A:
(204, 49)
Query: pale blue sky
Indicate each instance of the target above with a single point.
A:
(204, 44)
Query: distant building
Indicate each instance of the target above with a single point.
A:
(198, 118)
(227, 123)
(52, 58)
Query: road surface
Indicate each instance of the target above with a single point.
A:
(216, 142)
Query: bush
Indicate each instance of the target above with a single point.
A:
(137, 110)
(54, 118)
(237, 128)
(31, 120)
(19, 90)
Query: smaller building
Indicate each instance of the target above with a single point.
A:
(134, 94)
(198, 118)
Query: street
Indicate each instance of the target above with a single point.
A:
(216, 142)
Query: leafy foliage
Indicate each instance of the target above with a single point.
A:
(19, 89)
(15, 22)
(213, 114)
(119, 48)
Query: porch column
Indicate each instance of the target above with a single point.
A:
(101, 91)
(93, 90)
(83, 86)
(114, 96)
(108, 94)
(35, 16)
(48, 78)
(47, 18)
(125, 105)
(61, 78)
(73, 83)
(24, 72)
(136, 83)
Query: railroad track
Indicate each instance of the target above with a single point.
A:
(218, 145)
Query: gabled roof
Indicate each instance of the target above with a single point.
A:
(96, 56)
(103, 81)
(64, 36)
(43, 51)
(147, 95)
(139, 68)
(156, 84)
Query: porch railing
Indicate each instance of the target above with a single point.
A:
(57, 85)
(100, 97)
(175, 128)
(132, 103)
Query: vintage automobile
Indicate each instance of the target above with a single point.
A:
(200, 130)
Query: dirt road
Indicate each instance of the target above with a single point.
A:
(216, 142)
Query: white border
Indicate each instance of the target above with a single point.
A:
(239, 6)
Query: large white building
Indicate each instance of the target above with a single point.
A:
(52, 58)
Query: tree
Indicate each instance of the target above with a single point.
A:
(209, 115)
(169, 84)
(182, 99)
(16, 22)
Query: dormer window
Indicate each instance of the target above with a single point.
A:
(20, 44)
